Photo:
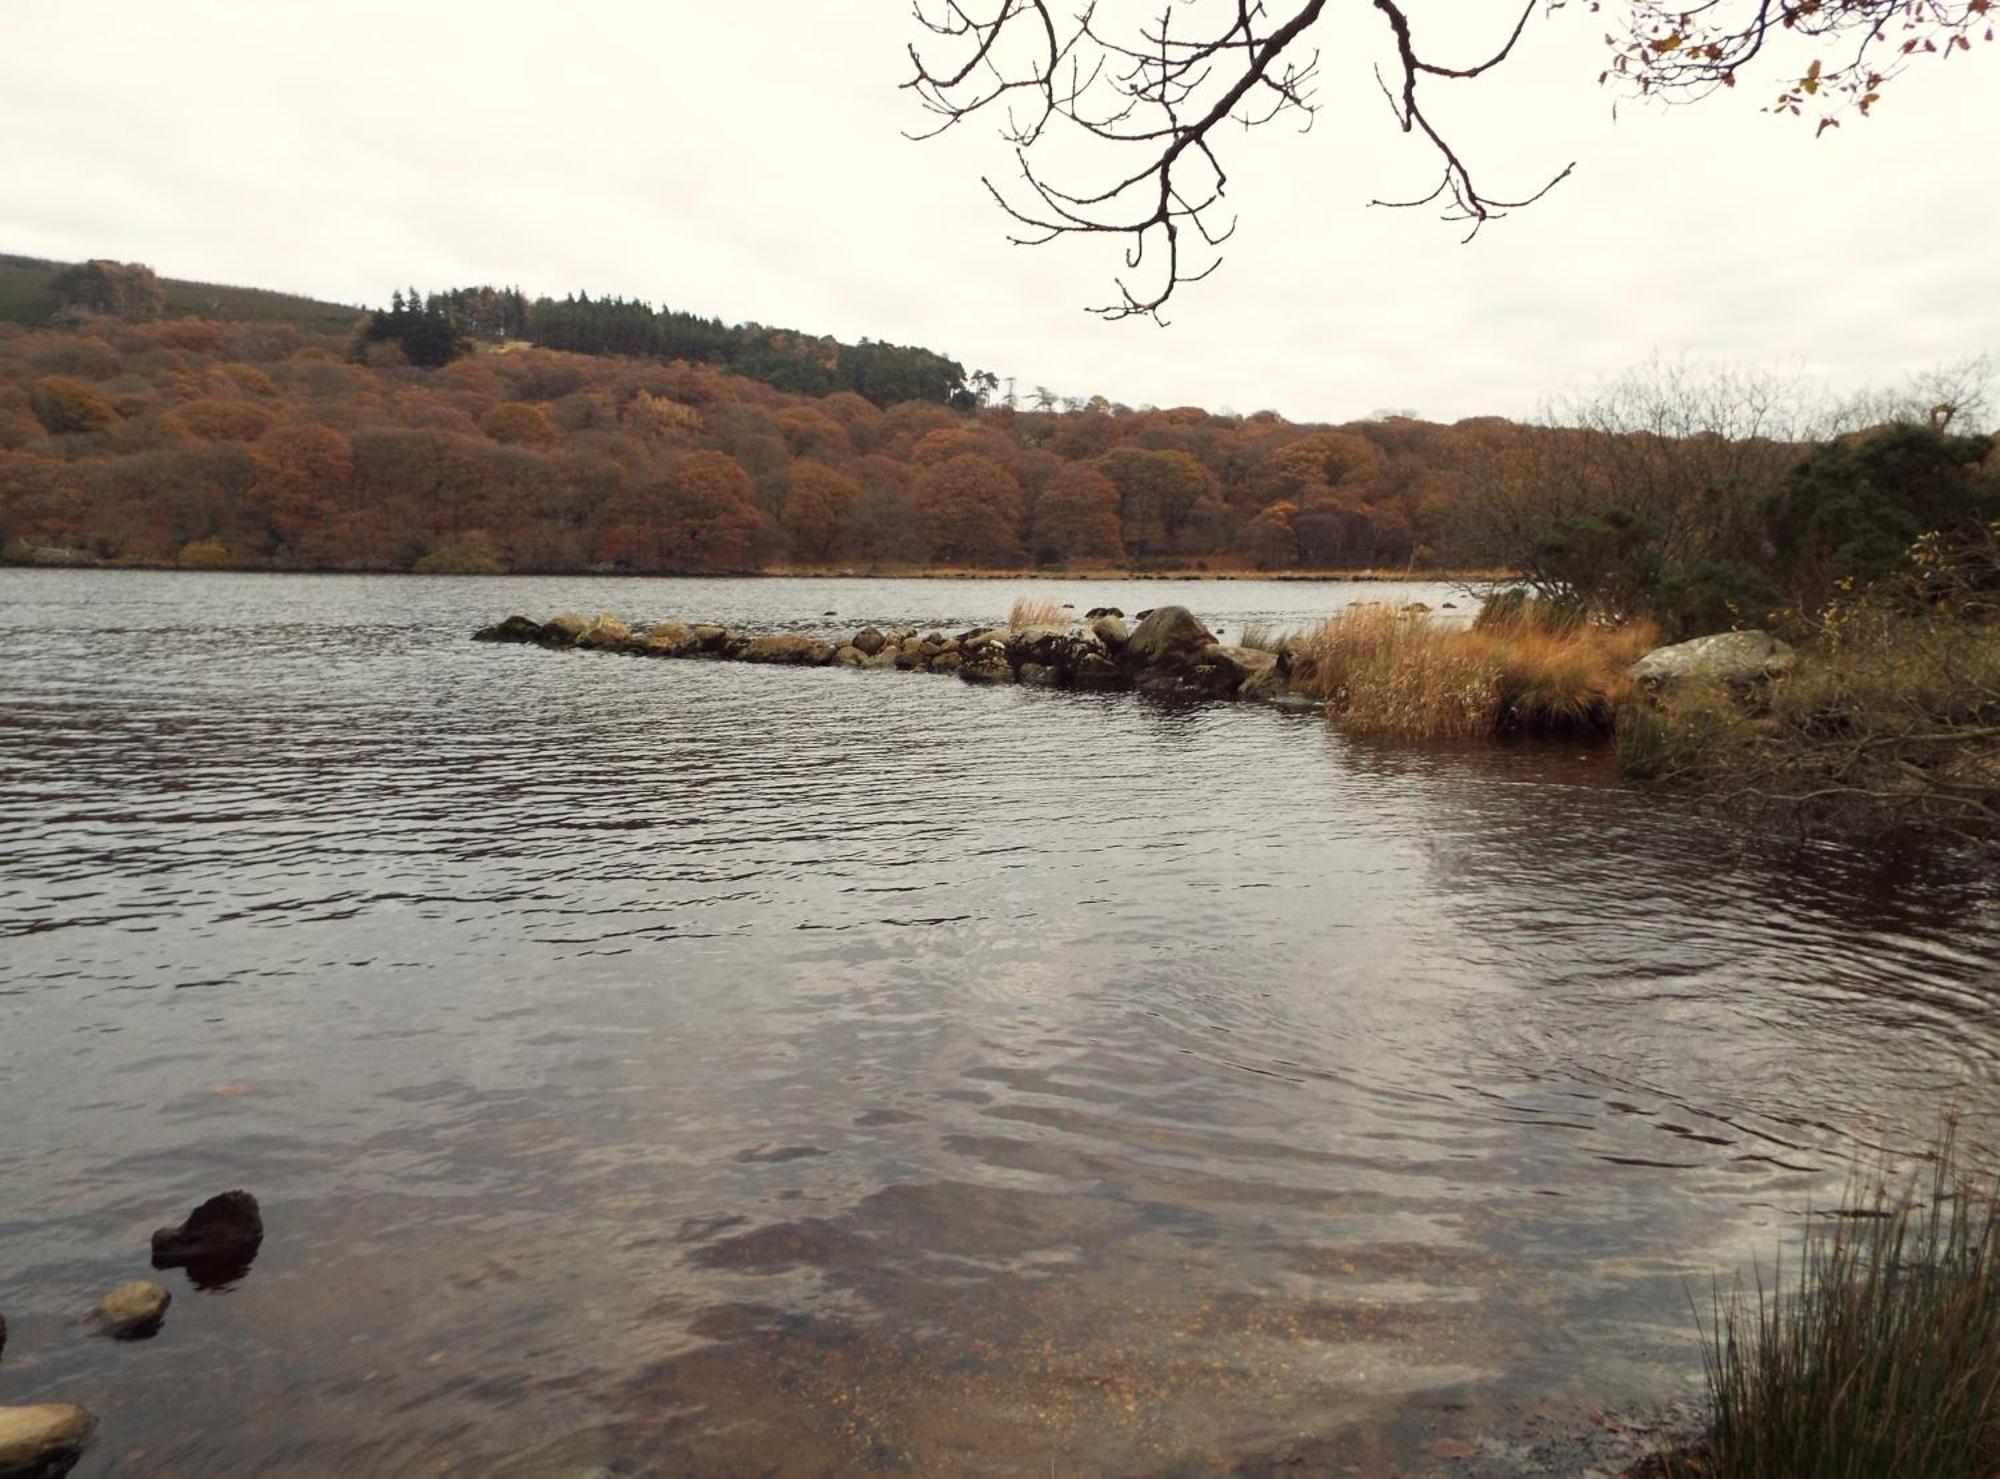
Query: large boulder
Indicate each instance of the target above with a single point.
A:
(218, 1239)
(133, 1311)
(44, 1438)
(1169, 637)
(1733, 658)
(513, 629)
(802, 651)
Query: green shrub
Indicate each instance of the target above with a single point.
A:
(1852, 510)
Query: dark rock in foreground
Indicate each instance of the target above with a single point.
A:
(218, 1240)
(1169, 653)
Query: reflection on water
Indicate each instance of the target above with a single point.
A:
(654, 1067)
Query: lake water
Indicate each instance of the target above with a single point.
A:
(666, 1067)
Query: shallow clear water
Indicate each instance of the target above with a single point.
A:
(668, 1066)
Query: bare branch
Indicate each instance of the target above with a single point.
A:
(1159, 94)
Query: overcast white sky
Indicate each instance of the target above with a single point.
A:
(746, 160)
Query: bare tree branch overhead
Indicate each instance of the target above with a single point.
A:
(1150, 99)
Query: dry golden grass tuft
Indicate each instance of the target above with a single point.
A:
(1397, 673)
(1037, 611)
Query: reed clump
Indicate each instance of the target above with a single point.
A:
(1883, 1355)
(1037, 611)
(1530, 669)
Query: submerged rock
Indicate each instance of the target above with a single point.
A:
(802, 651)
(42, 1439)
(1168, 637)
(1726, 657)
(133, 1311)
(219, 1238)
(513, 629)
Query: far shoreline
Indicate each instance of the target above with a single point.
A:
(819, 572)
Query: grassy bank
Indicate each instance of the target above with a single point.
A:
(1887, 727)
(1879, 1355)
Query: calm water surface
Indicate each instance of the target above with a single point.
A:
(664, 1067)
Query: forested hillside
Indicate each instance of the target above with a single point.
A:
(270, 446)
(438, 435)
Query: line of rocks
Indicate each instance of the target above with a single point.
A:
(216, 1242)
(1168, 652)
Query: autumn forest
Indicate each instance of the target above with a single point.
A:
(477, 432)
